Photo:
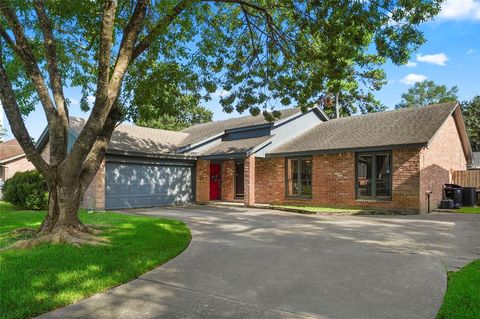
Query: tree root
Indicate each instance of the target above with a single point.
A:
(25, 231)
(96, 229)
(64, 235)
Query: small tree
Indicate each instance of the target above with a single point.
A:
(26, 189)
(261, 51)
(427, 92)
(471, 115)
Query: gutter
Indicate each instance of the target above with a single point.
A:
(259, 146)
(12, 158)
(149, 155)
(346, 150)
(223, 156)
(199, 143)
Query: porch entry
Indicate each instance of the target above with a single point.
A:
(239, 179)
(215, 181)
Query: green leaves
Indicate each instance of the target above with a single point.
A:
(471, 115)
(266, 53)
(427, 92)
(164, 96)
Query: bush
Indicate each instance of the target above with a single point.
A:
(27, 190)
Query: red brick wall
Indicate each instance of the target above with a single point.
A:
(438, 160)
(202, 182)
(333, 181)
(250, 181)
(270, 180)
(228, 180)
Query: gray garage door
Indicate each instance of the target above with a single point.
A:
(142, 185)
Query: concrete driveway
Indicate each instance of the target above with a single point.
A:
(253, 263)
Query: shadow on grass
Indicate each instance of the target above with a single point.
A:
(46, 277)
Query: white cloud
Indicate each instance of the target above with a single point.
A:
(411, 64)
(438, 59)
(470, 51)
(90, 99)
(221, 93)
(74, 102)
(413, 78)
(460, 10)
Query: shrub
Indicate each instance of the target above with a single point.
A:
(27, 190)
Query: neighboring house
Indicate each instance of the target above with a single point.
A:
(386, 160)
(12, 159)
(475, 162)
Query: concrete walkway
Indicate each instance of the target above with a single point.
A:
(253, 263)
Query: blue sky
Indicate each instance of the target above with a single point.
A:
(451, 56)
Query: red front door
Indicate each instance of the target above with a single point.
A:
(214, 181)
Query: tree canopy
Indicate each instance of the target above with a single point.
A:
(427, 92)
(471, 115)
(264, 53)
(164, 97)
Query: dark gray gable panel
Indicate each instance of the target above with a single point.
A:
(243, 134)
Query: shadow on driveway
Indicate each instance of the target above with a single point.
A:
(254, 263)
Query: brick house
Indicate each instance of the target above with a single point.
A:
(387, 160)
(12, 159)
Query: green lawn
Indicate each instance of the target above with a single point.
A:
(36, 280)
(469, 210)
(462, 299)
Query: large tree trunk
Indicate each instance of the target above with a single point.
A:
(62, 225)
(69, 173)
(63, 204)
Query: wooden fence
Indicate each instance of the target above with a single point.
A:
(469, 178)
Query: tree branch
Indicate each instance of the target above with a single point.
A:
(54, 74)
(104, 102)
(108, 21)
(99, 148)
(125, 54)
(15, 119)
(51, 55)
(24, 51)
(159, 28)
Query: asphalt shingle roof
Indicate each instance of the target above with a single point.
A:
(131, 138)
(10, 149)
(235, 146)
(201, 131)
(145, 140)
(397, 127)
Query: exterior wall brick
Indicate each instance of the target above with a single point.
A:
(250, 181)
(18, 165)
(228, 180)
(333, 182)
(94, 197)
(437, 161)
(270, 180)
(202, 182)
